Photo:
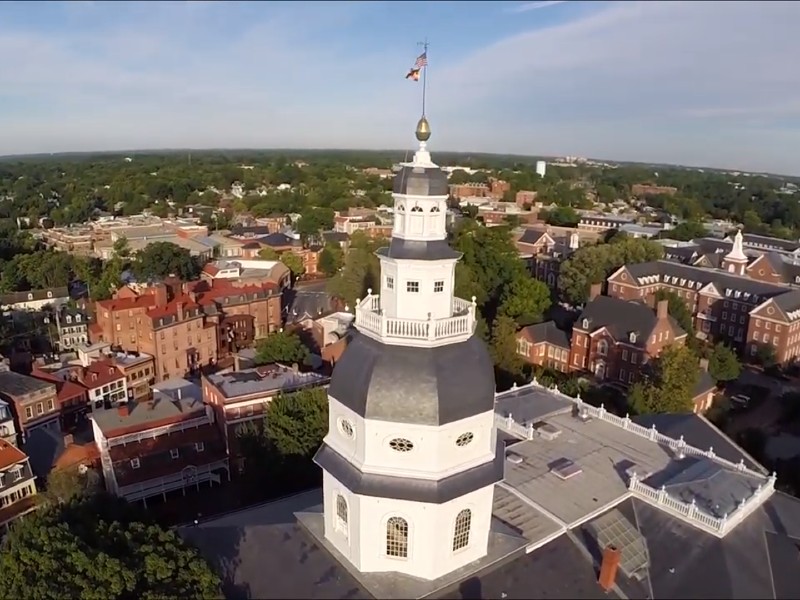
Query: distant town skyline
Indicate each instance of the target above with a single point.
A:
(695, 83)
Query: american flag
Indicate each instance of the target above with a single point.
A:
(422, 61)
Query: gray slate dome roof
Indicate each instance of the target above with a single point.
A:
(425, 386)
(421, 181)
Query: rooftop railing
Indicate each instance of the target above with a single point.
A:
(688, 511)
(371, 321)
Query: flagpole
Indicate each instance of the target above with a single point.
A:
(424, 74)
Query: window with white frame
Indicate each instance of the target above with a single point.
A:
(397, 537)
(199, 446)
(412, 286)
(135, 464)
(438, 286)
(341, 513)
(461, 531)
(174, 453)
(389, 283)
(602, 348)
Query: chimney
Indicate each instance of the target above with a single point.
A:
(68, 439)
(608, 568)
(662, 309)
(236, 362)
(595, 290)
(179, 307)
(704, 364)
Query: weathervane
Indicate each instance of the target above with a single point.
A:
(423, 132)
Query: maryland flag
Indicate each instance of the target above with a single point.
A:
(413, 74)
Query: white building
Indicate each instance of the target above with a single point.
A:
(541, 168)
(409, 460)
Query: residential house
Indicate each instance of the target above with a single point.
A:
(73, 400)
(151, 448)
(34, 300)
(73, 327)
(17, 485)
(8, 430)
(545, 345)
(34, 402)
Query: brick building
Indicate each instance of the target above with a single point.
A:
(155, 447)
(185, 327)
(524, 197)
(543, 252)
(241, 397)
(727, 307)
(650, 189)
(34, 402)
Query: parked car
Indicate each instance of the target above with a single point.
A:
(740, 401)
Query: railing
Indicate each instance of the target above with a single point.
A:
(186, 477)
(659, 497)
(370, 321)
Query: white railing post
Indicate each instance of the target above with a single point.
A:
(601, 412)
(653, 432)
(692, 509)
(662, 494)
(626, 421)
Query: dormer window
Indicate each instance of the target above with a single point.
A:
(111, 371)
(94, 376)
(77, 319)
(586, 323)
(632, 337)
(69, 319)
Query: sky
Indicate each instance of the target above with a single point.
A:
(698, 83)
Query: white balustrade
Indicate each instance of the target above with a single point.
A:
(459, 327)
(660, 497)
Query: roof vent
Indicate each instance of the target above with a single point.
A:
(545, 430)
(514, 458)
(564, 468)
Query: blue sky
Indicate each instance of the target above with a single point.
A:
(705, 83)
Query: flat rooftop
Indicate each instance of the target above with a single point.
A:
(172, 399)
(264, 380)
(15, 384)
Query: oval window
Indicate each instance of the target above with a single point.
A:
(401, 445)
(464, 439)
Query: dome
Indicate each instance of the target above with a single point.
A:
(424, 386)
(421, 181)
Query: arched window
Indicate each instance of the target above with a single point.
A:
(461, 531)
(397, 537)
(602, 348)
(341, 513)
(401, 208)
(416, 209)
(434, 209)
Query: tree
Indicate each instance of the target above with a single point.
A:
(296, 423)
(121, 247)
(593, 264)
(525, 300)
(686, 231)
(668, 383)
(361, 270)
(66, 485)
(723, 364)
(766, 355)
(282, 347)
(331, 259)
(162, 259)
(294, 263)
(563, 216)
(503, 349)
(268, 254)
(114, 552)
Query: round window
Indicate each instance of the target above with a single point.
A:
(623, 277)
(347, 429)
(770, 310)
(401, 445)
(464, 439)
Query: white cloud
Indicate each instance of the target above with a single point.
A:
(528, 6)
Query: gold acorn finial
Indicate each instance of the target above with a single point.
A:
(423, 132)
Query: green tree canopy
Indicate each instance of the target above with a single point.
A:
(525, 300)
(503, 349)
(723, 364)
(100, 547)
(121, 247)
(361, 270)
(283, 347)
(162, 259)
(593, 264)
(678, 310)
(294, 263)
(296, 423)
(668, 383)
(686, 231)
(331, 259)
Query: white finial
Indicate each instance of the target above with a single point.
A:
(369, 291)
